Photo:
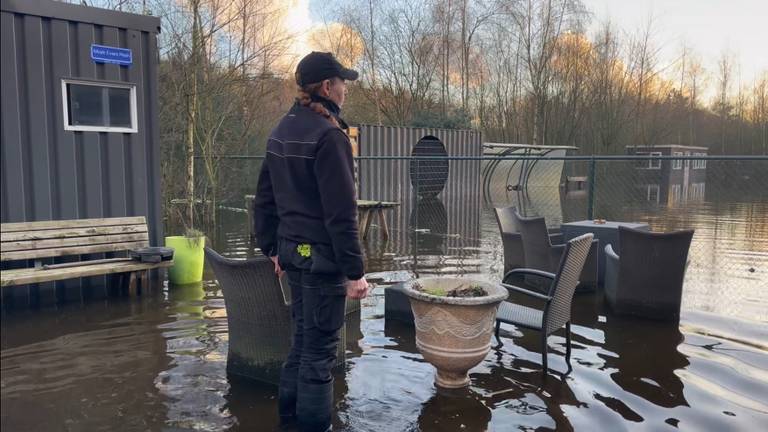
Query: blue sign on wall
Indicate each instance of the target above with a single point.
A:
(113, 55)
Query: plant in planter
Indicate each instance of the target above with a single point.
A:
(189, 258)
(454, 320)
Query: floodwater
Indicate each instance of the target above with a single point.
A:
(158, 363)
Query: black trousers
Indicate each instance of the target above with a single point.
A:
(318, 306)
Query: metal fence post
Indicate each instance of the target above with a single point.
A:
(591, 199)
(415, 222)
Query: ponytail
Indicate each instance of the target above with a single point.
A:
(305, 99)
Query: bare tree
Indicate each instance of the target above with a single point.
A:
(643, 61)
(695, 80)
(610, 86)
(540, 24)
(723, 106)
(191, 96)
(501, 118)
(372, 56)
(759, 114)
(406, 53)
(472, 16)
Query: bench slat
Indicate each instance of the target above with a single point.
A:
(74, 223)
(28, 276)
(38, 245)
(71, 232)
(77, 250)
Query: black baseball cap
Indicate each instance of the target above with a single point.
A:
(318, 66)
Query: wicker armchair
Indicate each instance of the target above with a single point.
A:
(258, 315)
(647, 280)
(542, 254)
(557, 307)
(514, 255)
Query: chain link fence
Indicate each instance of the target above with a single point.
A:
(444, 224)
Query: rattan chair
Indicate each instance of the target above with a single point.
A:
(557, 308)
(259, 316)
(541, 253)
(514, 255)
(647, 281)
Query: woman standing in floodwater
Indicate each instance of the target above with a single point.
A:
(306, 222)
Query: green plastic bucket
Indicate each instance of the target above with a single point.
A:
(188, 259)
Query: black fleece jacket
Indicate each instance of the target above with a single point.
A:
(306, 191)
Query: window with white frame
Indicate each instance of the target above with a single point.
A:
(99, 106)
(649, 163)
(699, 163)
(653, 193)
(654, 163)
(677, 163)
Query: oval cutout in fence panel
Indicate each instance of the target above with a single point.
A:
(428, 176)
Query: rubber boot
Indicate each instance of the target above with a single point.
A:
(314, 407)
(286, 399)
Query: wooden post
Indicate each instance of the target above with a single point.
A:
(368, 218)
(363, 222)
(353, 134)
(145, 282)
(383, 224)
(132, 285)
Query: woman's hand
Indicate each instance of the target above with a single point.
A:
(278, 271)
(357, 289)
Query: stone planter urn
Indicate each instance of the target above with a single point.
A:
(453, 333)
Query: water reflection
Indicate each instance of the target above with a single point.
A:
(430, 224)
(452, 218)
(654, 376)
(514, 389)
(83, 367)
(453, 410)
(251, 404)
(196, 343)
(188, 299)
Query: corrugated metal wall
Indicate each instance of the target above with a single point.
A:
(49, 173)
(457, 208)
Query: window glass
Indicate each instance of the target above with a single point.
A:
(86, 105)
(119, 107)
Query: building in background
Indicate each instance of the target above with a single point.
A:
(79, 114)
(671, 181)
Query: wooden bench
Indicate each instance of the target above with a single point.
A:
(48, 239)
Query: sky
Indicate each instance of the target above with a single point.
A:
(299, 21)
(708, 27)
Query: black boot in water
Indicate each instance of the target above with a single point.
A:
(286, 399)
(314, 407)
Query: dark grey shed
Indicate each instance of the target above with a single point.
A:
(49, 173)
